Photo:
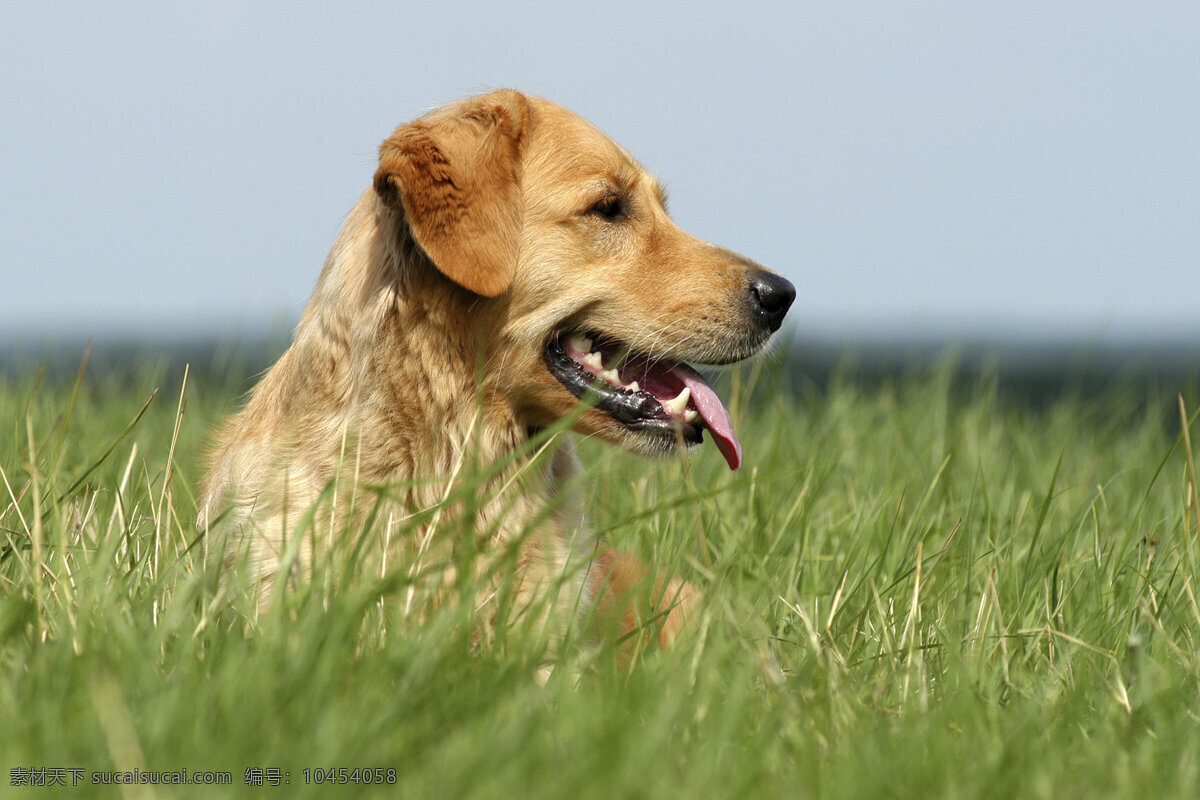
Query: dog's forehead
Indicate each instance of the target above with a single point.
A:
(565, 145)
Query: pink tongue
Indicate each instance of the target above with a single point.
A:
(714, 413)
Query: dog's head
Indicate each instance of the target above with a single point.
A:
(588, 288)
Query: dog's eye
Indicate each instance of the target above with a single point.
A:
(608, 207)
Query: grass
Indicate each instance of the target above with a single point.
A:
(914, 588)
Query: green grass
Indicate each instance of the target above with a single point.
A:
(914, 588)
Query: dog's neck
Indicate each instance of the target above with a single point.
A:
(379, 297)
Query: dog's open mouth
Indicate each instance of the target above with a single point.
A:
(643, 394)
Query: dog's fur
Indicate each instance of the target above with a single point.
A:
(490, 229)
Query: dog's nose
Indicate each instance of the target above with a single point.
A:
(771, 296)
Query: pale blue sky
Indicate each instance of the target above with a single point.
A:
(996, 168)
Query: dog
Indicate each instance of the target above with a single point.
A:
(511, 267)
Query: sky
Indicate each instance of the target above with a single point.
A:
(950, 169)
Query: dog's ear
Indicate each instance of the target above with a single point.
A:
(456, 176)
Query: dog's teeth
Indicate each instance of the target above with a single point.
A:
(633, 386)
(580, 343)
(594, 360)
(678, 405)
(611, 376)
(691, 416)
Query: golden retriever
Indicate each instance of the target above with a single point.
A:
(510, 267)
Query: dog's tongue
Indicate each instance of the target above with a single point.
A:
(713, 412)
(664, 382)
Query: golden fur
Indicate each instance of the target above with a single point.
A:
(423, 343)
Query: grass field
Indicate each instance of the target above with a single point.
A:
(917, 587)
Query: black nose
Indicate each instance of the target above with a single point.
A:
(771, 296)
